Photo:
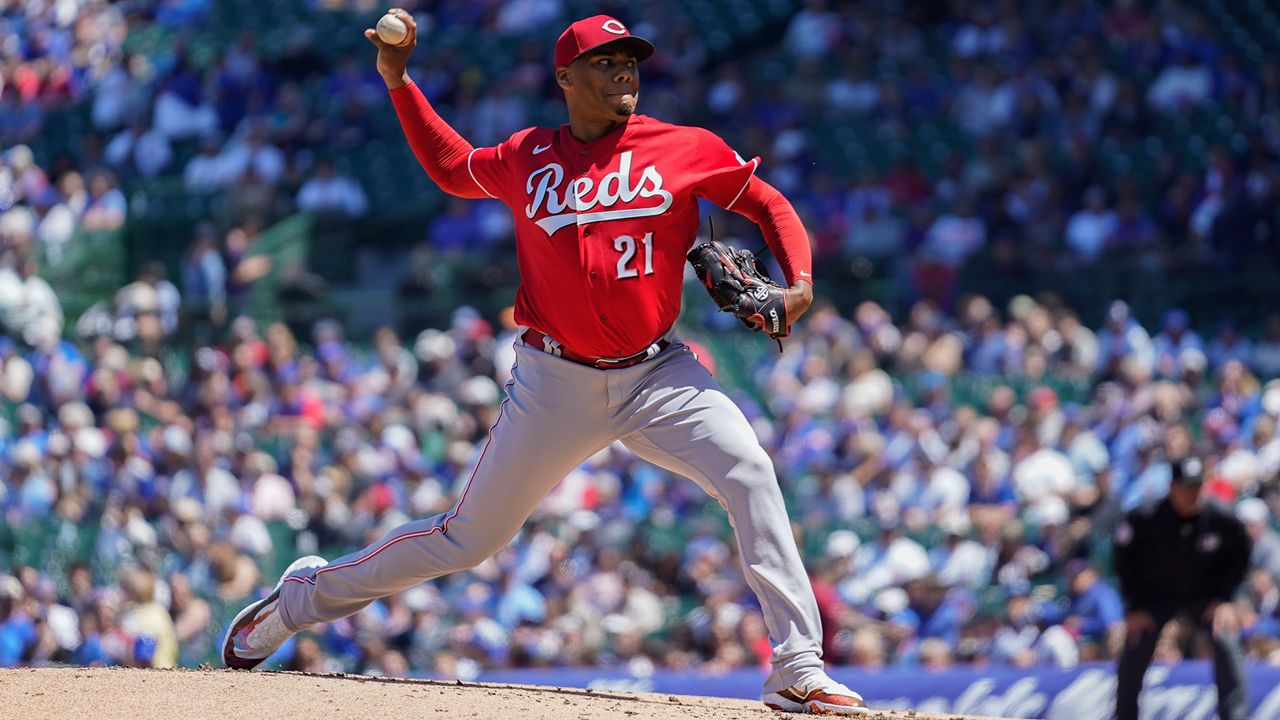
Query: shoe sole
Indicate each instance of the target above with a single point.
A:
(238, 663)
(245, 615)
(774, 701)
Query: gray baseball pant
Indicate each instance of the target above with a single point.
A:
(668, 411)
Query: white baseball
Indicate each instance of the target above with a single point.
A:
(392, 30)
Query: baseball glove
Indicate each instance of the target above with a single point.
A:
(738, 286)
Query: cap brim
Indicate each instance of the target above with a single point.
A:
(638, 45)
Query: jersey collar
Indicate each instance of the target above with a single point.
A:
(610, 139)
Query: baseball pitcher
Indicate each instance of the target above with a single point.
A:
(606, 214)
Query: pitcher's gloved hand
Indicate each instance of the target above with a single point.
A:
(737, 285)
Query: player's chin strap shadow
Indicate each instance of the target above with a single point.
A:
(711, 232)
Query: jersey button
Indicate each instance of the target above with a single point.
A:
(603, 317)
(584, 153)
(592, 274)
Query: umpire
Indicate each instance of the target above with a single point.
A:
(1183, 554)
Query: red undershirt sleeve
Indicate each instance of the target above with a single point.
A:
(442, 152)
(785, 234)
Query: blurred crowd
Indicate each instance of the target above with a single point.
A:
(1064, 134)
(912, 137)
(236, 126)
(145, 498)
(55, 56)
(980, 491)
(953, 473)
(215, 273)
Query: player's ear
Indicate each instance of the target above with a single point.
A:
(562, 77)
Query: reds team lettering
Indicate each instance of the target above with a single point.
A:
(569, 207)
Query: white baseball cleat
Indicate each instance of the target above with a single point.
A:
(819, 695)
(258, 630)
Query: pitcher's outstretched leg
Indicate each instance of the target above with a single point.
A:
(525, 456)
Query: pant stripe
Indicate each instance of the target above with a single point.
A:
(442, 528)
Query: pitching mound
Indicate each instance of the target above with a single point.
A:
(108, 694)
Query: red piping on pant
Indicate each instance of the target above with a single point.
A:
(443, 527)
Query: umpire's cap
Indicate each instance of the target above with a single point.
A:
(1188, 471)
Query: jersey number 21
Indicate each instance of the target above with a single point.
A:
(626, 245)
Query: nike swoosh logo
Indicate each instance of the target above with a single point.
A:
(804, 274)
(539, 148)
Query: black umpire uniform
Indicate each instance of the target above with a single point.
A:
(1183, 554)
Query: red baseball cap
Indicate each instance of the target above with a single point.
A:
(590, 33)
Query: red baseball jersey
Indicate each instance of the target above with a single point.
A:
(602, 228)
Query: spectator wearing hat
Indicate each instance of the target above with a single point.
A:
(1256, 517)
(933, 611)
(1184, 554)
(17, 629)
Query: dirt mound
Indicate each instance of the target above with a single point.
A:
(111, 694)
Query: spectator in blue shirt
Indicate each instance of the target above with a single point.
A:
(1096, 610)
(455, 230)
(932, 612)
(17, 632)
(990, 486)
